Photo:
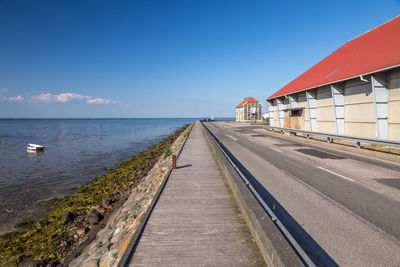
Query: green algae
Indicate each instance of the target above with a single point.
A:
(167, 153)
(48, 237)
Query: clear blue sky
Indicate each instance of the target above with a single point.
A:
(165, 58)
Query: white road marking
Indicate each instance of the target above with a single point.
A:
(231, 137)
(377, 228)
(337, 174)
(275, 149)
(323, 146)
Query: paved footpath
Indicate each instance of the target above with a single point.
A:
(196, 221)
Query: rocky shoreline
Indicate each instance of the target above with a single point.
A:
(98, 221)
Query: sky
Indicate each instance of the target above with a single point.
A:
(166, 58)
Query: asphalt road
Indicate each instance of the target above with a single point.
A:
(342, 206)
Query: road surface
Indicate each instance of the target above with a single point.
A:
(346, 204)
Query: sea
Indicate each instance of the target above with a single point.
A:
(76, 152)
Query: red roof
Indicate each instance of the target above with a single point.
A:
(250, 99)
(372, 51)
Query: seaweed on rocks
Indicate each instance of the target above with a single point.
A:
(48, 239)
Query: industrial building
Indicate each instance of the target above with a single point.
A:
(249, 110)
(354, 91)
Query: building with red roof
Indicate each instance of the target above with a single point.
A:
(249, 110)
(353, 91)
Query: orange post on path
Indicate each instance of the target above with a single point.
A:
(173, 161)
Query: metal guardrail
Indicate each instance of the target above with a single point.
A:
(269, 211)
(329, 137)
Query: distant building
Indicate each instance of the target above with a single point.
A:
(249, 110)
(354, 91)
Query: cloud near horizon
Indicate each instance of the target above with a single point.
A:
(16, 99)
(65, 97)
(98, 101)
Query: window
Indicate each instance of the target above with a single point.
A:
(296, 113)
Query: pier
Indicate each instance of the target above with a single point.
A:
(196, 220)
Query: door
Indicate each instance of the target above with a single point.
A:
(296, 117)
(286, 117)
(295, 122)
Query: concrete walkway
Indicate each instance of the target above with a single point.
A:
(196, 221)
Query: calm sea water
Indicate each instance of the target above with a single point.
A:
(76, 151)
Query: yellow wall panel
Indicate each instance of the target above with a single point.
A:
(394, 112)
(394, 89)
(394, 131)
(306, 125)
(359, 113)
(324, 97)
(306, 114)
(326, 126)
(360, 129)
(325, 114)
(302, 105)
(326, 102)
(358, 94)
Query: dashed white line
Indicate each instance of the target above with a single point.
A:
(275, 149)
(337, 174)
(234, 138)
(377, 228)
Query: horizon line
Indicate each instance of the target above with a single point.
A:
(114, 117)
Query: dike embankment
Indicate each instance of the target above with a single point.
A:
(94, 226)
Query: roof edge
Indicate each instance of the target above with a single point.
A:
(383, 23)
(338, 81)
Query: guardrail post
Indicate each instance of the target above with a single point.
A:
(358, 144)
(328, 139)
(308, 136)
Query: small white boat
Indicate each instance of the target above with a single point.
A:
(35, 147)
